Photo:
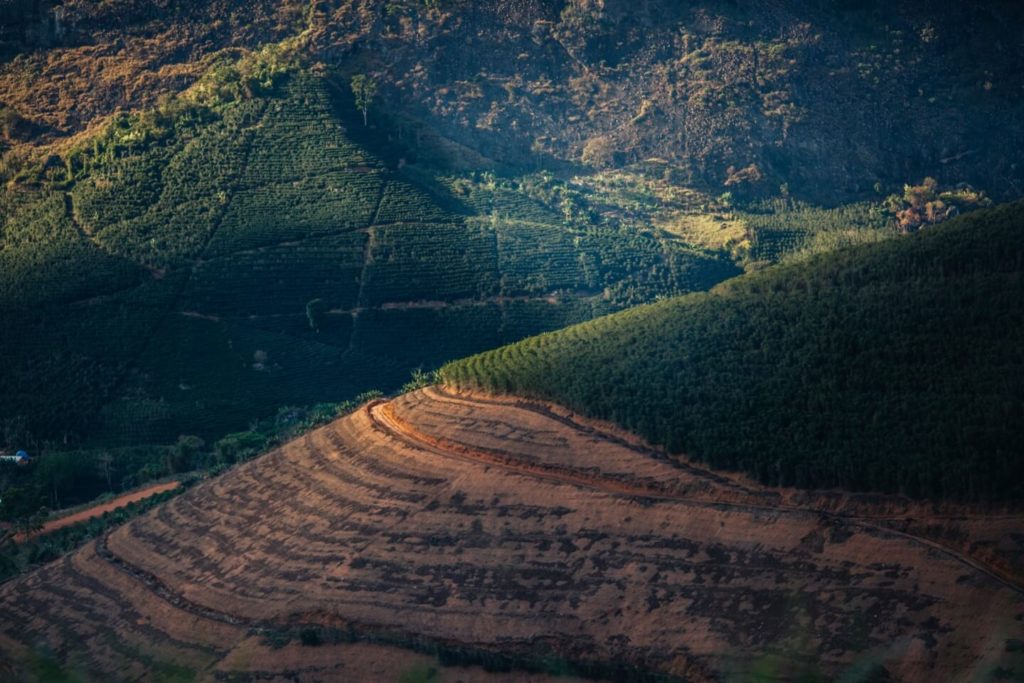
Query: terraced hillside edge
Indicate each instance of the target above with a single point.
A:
(892, 367)
(518, 537)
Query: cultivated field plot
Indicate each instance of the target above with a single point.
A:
(512, 534)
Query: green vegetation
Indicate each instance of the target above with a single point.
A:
(159, 277)
(782, 226)
(38, 550)
(889, 367)
(191, 267)
(364, 89)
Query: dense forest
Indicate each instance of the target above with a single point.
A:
(891, 367)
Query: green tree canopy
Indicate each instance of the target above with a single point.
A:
(364, 89)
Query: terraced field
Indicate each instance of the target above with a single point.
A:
(437, 530)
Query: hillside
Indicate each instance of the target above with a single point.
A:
(890, 367)
(500, 341)
(197, 266)
(200, 233)
(473, 536)
(828, 98)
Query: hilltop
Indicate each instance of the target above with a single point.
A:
(888, 367)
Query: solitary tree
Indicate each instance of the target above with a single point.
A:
(181, 457)
(315, 312)
(364, 88)
(103, 462)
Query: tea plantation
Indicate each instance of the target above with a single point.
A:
(195, 268)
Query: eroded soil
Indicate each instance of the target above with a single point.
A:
(437, 523)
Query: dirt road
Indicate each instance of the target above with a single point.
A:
(98, 510)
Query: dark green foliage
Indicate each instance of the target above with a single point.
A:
(160, 286)
(428, 337)
(537, 257)
(239, 446)
(164, 236)
(61, 363)
(893, 367)
(781, 226)
(45, 260)
(488, 195)
(121, 190)
(286, 212)
(300, 137)
(438, 261)
(526, 318)
(281, 279)
(404, 203)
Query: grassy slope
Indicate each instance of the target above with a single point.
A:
(892, 367)
(161, 289)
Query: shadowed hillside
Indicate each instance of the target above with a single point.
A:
(195, 267)
(827, 97)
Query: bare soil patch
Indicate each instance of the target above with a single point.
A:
(437, 527)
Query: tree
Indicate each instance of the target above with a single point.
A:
(315, 312)
(364, 89)
(104, 461)
(239, 446)
(180, 457)
(33, 523)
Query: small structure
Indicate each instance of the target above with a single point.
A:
(19, 458)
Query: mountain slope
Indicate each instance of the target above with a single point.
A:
(826, 97)
(895, 367)
(512, 535)
(194, 267)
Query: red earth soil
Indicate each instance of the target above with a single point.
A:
(487, 526)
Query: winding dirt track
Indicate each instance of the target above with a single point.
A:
(460, 523)
(101, 509)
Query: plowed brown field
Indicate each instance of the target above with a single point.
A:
(448, 523)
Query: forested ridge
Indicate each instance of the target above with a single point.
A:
(894, 367)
